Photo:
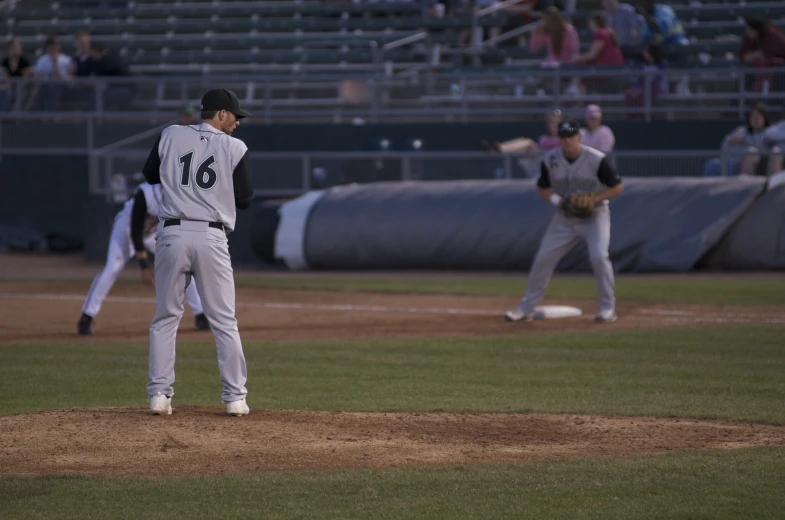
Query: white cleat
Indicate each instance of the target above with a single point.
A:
(605, 317)
(236, 408)
(160, 404)
(518, 315)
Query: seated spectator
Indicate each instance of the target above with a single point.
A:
(117, 95)
(763, 46)
(741, 149)
(83, 65)
(546, 142)
(596, 135)
(185, 116)
(51, 65)
(624, 22)
(559, 37)
(655, 64)
(604, 52)
(15, 65)
(661, 25)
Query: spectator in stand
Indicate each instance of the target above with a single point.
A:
(51, 65)
(15, 65)
(185, 116)
(661, 25)
(597, 135)
(546, 142)
(763, 45)
(117, 95)
(83, 65)
(604, 52)
(559, 37)
(655, 64)
(624, 22)
(741, 149)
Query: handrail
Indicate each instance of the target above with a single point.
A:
(132, 139)
(497, 7)
(513, 33)
(406, 40)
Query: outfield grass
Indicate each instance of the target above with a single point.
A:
(745, 483)
(728, 372)
(728, 291)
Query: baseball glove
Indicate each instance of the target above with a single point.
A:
(579, 205)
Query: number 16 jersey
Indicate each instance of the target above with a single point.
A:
(204, 173)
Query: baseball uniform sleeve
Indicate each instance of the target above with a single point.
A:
(152, 166)
(608, 174)
(138, 216)
(544, 182)
(243, 187)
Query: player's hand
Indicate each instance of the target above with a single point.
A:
(147, 277)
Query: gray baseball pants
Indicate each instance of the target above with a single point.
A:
(182, 251)
(562, 235)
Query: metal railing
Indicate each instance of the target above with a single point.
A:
(288, 174)
(420, 96)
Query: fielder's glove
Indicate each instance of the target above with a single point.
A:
(579, 205)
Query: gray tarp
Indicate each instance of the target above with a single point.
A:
(657, 224)
(757, 240)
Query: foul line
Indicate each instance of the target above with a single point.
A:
(272, 305)
(667, 316)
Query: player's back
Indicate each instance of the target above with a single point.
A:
(197, 165)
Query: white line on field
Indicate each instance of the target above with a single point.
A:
(674, 316)
(272, 305)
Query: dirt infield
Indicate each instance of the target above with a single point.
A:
(116, 441)
(123, 441)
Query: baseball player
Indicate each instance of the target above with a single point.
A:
(579, 181)
(133, 234)
(204, 173)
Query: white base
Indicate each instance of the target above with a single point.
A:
(556, 311)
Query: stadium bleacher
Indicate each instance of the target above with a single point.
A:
(348, 39)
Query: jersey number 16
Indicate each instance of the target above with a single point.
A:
(205, 177)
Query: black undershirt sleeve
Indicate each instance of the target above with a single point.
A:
(138, 217)
(544, 181)
(243, 186)
(608, 174)
(152, 166)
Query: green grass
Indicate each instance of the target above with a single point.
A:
(730, 372)
(708, 290)
(736, 484)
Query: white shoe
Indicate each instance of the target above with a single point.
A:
(605, 317)
(160, 404)
(518, 315)
(237, 408)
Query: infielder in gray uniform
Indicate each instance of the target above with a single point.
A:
(573, 169)
(204, 173)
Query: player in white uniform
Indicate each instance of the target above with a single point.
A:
(133, 234)
(204, 173)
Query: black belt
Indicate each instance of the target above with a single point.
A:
(176, 222)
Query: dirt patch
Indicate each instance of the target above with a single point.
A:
(195, 440)
(48, 311)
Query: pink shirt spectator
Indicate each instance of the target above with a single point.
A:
(548, 142)
(601, 139)
(610, 53)
(569, 49)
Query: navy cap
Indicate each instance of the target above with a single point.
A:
(569, 128)
(223, 99)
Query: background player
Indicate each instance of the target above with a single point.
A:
(573, 169)
(204, 173)
(133, 234)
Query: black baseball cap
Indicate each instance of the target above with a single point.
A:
(223, 99)
(569, 128)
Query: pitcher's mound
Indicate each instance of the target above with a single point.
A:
(128, 441)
